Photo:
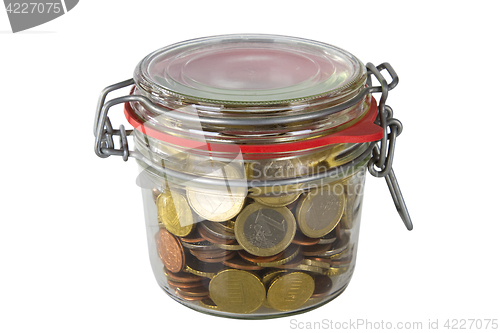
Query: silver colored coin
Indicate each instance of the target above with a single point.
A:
(231, 247)
(328, 238)
(319, 212)
(217, 230)
(338, 246)
(204, 245)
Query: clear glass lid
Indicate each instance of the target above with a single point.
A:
(250, 69)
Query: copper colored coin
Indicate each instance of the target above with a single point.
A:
(181, 276)
(214, 239)
(314, 250)
(189, 298)
(240, 263)
(301, 239)
(324, 260)
(322, 286)
(186, 285)
(193, 292)
(193, 237)
(170, 251)
(252, 258)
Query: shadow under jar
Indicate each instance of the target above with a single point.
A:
(254, 150)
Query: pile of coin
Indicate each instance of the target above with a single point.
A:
(246, 253)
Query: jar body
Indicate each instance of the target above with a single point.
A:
(254, 252)
(252, 174)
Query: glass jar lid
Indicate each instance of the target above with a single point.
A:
(250, 69)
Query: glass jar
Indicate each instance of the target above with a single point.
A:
(252, 152)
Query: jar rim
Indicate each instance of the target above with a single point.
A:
(250, 69)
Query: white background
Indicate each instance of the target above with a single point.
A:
(73, 253)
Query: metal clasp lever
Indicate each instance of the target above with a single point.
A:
(397, 196)
(383, 156)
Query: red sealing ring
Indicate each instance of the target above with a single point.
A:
(362, 131)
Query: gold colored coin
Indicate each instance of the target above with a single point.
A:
(316, 263)
(269, 276)
(290, 291)
(308, 268)
(280, 201)
(199, 268)
(231, 247)
(353, 193)
(237, 291)
(320, 210)
(208, 303)
(264, 231)
(218, 204)
(290, 253)
(174, 213)
(334, 271)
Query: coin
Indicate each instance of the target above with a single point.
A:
(325, 264)
(350, 214)
(290, 253)
(222, 259)
(320, 211)
(292, 263)
(334, 271)
(264, 231)
(181, 293)
(239, 263)
(216, 204)
(197, 267)
(346, 261)
(193, 237)
(216, 229)
(227, 226)
(353, 190)
(337, 249)
(170, 251)
(194, 292)
(290, 291)
(181, 276)
(208, 303)
(322, 286)
(174, 213)
(302, 239)
(214, 239)
(308, 268)
(211, 253)
(269, 276)
(203, 245)
(315, 250)
(277, 201)
(231, 247)
(250, 257)
(237, 291)
(328, 238)
(185, 285)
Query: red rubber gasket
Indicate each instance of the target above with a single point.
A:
(363, 131)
